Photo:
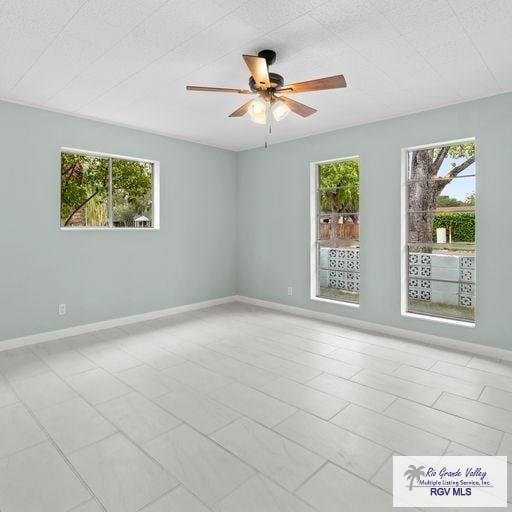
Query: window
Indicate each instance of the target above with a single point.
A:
(335, 230)
(106, 191)
(440, 263)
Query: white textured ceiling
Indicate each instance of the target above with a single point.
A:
(128, 61)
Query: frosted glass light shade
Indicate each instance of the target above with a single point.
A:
(280, 110)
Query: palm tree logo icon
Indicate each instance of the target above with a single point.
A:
(414, 473)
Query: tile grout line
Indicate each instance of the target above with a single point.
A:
(61, 453)
(350, 336)
(333, 462)
(393, 452)
(397, 349)
(394, 348)
(211, 398)
(118, 431)
(141, 448)
(305, 481)
(170, 492)
(301, 383)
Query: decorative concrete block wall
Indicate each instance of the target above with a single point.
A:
(442, 278)
(339, 268)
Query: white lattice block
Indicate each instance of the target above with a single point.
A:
(467, 289)
(467, 301)
(468, 275)
(467, 262)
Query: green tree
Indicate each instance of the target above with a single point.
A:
(425, 186)
(83, 178)
(132, 190)
(339, 191)
(470, 199)
(85, 189)
(444, 201)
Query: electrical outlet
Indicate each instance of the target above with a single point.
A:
(290, 290)
(62, 309)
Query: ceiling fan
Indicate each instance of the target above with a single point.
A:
(269, 88)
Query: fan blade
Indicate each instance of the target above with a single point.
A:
(241, 111)
(331, 82)
(217, 89)
(259, 70)
(298, 108)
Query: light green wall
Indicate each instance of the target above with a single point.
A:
(104, 275)
(273, 219)
(235, 223)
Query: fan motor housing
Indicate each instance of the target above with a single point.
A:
(276, 81)
(268, 55)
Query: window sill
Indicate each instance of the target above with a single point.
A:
(449, 321)
(337, 302)
(109, 229)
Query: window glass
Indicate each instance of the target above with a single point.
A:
(132, 193)
(337, 231)
(106, 192)
(441, 253)
(84, 191)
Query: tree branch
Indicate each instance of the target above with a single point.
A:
(442, 182)
(440, 158)
(66, 168)
(69, 173)
(78, 207)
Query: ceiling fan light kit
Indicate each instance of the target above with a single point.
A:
(269, 88)
(280, 110)
(258, 111)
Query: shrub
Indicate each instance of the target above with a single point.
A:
(462, 224)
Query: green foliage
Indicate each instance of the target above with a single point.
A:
(462, 224)
(456, 151)
(339, 186)
(132, 190)
(444, 201)
(470, 199)
(85, 187)
(96, 212)
(462, 150)
(82, 178)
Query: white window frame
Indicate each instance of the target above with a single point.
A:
(155, 196)
(404, 238)
(313, 211)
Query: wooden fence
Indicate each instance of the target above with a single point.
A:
(347, 231)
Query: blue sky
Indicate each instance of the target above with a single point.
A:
(459, 188)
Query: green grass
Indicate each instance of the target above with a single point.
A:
(336, 294)
(441, 310)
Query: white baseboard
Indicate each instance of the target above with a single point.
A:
(106, 324)
(427, 339)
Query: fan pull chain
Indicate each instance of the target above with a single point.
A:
(268, 127)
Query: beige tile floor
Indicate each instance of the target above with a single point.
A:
(236, 409)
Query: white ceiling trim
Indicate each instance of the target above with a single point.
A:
(260, 145)
(126, 62)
